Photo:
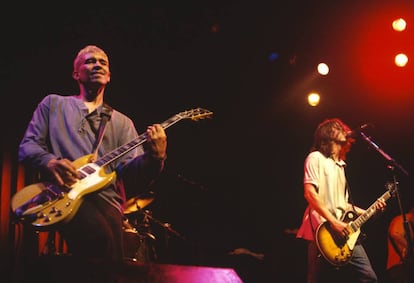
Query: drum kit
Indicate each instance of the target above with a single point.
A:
(139, 239)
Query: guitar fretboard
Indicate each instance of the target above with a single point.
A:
(193, 114)
(369, 212)
(117, 153)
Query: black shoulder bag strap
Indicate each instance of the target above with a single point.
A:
(105, 117)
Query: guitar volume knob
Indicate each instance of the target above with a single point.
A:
(41, 215)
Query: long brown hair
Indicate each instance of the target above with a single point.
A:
(324, 137)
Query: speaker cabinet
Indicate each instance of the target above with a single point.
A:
(65, 269)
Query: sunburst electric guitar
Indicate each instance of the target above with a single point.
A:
(45, 204)
(338, 250)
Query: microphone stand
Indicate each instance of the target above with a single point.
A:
(391, 166)
(386, 156)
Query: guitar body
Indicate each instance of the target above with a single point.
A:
(45, 204)
(338, 250)
(335, 249)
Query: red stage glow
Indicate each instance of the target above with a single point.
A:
(375, 46)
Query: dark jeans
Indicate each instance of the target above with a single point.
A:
(96, 231)
(358, 269)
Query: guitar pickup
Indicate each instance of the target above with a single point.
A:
(88, 169)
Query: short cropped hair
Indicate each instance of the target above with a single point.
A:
(83, 51)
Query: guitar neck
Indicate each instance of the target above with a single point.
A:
(119, 152)
(193, 114)
(369, 212)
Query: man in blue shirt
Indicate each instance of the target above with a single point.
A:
(64, 129)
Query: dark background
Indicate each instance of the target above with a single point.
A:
(234, 180)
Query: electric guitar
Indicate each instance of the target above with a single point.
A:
(338, 250)
(45, 204)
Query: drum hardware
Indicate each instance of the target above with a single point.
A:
(139, 202)
(128, 227)
(138, 237)
(140, 242)
(134, 209)
(165, 225)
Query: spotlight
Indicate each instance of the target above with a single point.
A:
(401, 60)
(399, 24)
(313, 99)
(323, 69)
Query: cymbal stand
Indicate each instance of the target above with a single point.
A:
(166, 226)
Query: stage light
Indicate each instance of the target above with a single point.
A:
(401, 60)
(273, 56)
(323, 69)
(399, 24)
(313, 99)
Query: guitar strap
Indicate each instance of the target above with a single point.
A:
(348, 190)
(362, 236)
(106, 113)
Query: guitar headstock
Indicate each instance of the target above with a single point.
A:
(196, 114)
(391, 187)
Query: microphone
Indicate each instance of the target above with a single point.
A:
(355, 132)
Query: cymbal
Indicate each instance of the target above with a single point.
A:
(136, 203)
